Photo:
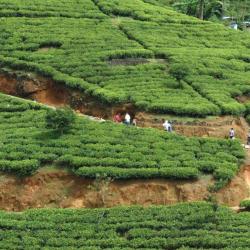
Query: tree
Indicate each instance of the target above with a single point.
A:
(239, 9)
(101, 185)
(200, 11)
(59, 119)
(179, 72)
(203, 9)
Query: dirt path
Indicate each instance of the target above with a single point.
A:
(47, 92)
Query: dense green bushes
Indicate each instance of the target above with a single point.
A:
(184, 226)
(60, 119)
(217, 73)
(103, 30)
(90, 148)
(50, 8)
(245, 204)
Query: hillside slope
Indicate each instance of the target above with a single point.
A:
(105, 148)
(122, 51)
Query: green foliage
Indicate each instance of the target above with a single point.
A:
(179, 72)
(238, 9)
(213, 9)
(210, 8)
(245, 204)
(60, 119)
(186, 226)
(248, 119)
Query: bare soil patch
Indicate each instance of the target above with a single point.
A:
(60, 189)
(48, 92)
(243, 99)
(44, 49)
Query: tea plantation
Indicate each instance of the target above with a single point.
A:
(184, 227)
(118, 151)
(128, 51)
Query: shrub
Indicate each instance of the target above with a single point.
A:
(245, 204)
(60, 119)
(179, 72)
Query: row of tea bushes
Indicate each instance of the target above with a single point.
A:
(184, 226)
(216, 58)
(140, 10)
(50, 8)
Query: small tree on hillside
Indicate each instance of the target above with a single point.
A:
(60, 119)
(101, 185)
(179, 72)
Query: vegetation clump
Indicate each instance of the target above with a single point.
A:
(60, 119)
(245, 204)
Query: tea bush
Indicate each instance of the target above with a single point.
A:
(50, 8)
(245, 204)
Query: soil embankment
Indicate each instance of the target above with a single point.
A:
(48, 92)
(58, 188)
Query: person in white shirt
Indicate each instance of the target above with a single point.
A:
(127, 119)
(231, 134)
(167, 126)
(134, 122)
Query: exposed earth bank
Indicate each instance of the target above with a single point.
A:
(46, 91)
(60, 189)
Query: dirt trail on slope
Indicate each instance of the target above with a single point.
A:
(48, 92)
(217, 127)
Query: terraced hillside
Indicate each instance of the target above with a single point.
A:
(118, 151)
(119, 52)
(129, 52)
(184, 227)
